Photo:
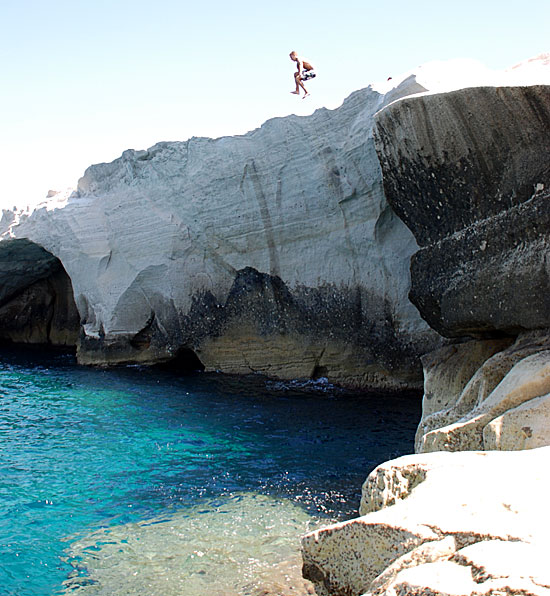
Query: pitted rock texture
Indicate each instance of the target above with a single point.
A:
(469, 523)
(272, 252)
(502, 402)
(469, 173)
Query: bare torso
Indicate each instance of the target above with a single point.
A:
(302, 68)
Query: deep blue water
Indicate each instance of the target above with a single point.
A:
(84, 448)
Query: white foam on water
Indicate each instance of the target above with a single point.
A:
(245, 544)
(320, 385)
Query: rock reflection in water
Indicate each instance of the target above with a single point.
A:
(245, 544)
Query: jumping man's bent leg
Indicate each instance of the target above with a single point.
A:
(297, 92)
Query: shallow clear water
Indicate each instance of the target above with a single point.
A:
(88, 453)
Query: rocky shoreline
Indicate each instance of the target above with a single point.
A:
(469, 172)
(399, 241)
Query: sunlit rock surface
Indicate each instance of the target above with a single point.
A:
(271, 252)
(503, 401)
(440, 524)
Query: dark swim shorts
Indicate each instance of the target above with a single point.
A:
(308, 74)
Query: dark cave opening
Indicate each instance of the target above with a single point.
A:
(36, 297)
(184, 362)
(319, 372)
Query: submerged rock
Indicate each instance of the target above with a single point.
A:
(241, 544)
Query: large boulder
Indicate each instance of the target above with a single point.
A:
(441, 524)
(469, 173)
(272, 252)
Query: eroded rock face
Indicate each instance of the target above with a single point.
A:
(469, 173)
(272, 252)
(467, 523)
(36, 297)
(502, 402)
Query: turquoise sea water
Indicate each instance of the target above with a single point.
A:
(96, 464)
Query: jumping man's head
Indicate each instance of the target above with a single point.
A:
(293, 56)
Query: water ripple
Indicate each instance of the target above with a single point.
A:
(86, 451)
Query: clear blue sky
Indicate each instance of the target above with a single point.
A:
(82, 81)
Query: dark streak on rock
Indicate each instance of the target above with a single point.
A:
(470, 179)
(353, 316)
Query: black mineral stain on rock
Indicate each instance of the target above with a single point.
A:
(464, 157)
(266, 307)
(491, 281)
(470, 176)
(353, 316)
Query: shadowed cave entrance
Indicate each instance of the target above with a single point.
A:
(36, 297)
(184, 362)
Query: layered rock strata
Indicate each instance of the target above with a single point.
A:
(273, 252)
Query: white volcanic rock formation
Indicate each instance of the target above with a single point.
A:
(273, 252)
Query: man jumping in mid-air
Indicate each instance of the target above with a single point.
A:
(304, 72)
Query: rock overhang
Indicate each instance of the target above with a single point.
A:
(468, 171)
(36, 297)
(22, 263)
(157, 242)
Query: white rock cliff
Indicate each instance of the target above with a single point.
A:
(277, 252)
(272, 252)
